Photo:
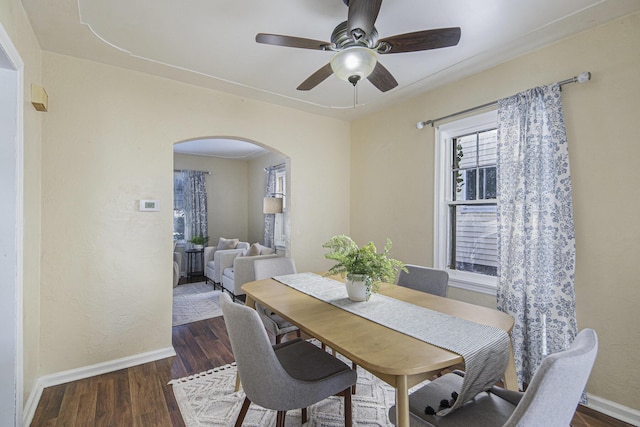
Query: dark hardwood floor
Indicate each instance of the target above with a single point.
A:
(140, 396)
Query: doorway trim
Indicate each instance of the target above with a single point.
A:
(14, 136)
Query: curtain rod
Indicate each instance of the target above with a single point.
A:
(580, 78)
(278, 166)
(191, 170)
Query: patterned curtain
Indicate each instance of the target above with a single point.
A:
(270, 219)
(195, 205)
(536, 240)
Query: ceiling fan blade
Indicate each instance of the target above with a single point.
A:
(422, 40)
(382, 78)
(316, 78)
(362, 16)
(290, 41)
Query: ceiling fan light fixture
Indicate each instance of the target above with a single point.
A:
(354, 63)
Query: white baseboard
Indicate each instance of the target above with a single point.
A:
(86, 372)
(31, 404)
(613, 409)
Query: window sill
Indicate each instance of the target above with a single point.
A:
(473, 282)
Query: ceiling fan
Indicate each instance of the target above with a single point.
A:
(356, 43)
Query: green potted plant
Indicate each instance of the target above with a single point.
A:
(363, 266)
(199, 241)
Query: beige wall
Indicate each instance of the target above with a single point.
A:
(15, 23)
(108, 142)
(392, 181)
(227, 194)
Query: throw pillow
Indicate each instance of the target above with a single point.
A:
(254, 250)
(265, 250)
(227, 243)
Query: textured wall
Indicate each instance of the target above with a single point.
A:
(19, 30)
(108, 142)
(392, 181)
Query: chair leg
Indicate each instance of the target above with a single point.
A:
(298, 334)
(305, 417)
(347, 407)
(243, 412)
(238, 383)
(280, 418)
(354, 366)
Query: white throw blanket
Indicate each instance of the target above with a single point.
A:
(485, 349)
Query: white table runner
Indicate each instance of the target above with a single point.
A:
(485, 349)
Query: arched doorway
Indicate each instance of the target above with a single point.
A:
(235, 173)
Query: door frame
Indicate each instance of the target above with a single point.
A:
(13, 135)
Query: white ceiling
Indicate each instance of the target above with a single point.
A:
(222, 148)
(212, 43)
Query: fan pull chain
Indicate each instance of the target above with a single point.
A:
(355, 95)
(354, 81)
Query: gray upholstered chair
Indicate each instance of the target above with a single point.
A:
(238, 270)
(291, 375)
(424, 279)
(264, 269)
(273, 323)
(550, 400)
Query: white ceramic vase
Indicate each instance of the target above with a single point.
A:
(358, 287)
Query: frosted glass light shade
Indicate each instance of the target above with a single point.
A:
(353, 61)
(272, 205)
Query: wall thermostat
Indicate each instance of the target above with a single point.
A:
(149, 205)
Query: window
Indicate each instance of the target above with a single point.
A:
(466, 202)
(178, 207)
(281, 187)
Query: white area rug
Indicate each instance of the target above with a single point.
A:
(195, 301)
(208, 399)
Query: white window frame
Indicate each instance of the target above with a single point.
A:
(444, 134)
(181, 243)
(279, 237)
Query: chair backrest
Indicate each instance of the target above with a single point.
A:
(270, 267)
(556, 388)
(263, 377)
(424, 279)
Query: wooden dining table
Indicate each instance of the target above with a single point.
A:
(398, 359)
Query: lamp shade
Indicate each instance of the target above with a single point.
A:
(272, 205)
(354, 61)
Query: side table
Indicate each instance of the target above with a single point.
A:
(193, 256)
